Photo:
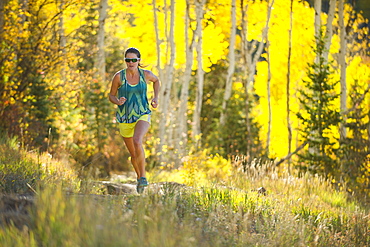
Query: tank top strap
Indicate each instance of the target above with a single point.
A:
(142, 75)
(122, 76)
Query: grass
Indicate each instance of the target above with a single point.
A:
(21, 171)
(214, 209)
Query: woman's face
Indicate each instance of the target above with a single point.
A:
(132, 61)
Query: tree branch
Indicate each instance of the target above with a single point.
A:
(291, 154)
(358, 102)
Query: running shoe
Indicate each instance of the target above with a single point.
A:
(142, 183)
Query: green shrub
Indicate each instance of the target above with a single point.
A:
(23, 171)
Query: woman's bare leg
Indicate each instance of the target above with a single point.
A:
(135, 147)
(131, 148)
(140, 130)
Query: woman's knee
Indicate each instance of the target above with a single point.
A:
(133, 156)
(137, 142)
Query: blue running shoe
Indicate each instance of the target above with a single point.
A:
(142, 183)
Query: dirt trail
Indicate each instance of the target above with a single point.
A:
(15, 209)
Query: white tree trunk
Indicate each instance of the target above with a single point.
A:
(343, 66)
(3, 3)
(317, 7)
(256, 50)
(246, 59)
(329, 28)
(182, 111)
(169, 74)
(288, 80)
(24, 6)
(161, 124)
(100, 60)
(231, 69)
(158, 44)
(269, 125)
(251, 62)
(200, 73)
(63, 41)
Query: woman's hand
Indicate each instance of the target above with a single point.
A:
(121, 101)
(154, 102)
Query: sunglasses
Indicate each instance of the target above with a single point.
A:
(134, 60)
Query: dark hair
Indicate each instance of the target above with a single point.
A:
(134, 51)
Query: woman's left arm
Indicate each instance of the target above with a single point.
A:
(156, 86)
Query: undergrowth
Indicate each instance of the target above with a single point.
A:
(22, 171)
(220, 204)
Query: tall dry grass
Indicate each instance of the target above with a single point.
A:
(219, 206)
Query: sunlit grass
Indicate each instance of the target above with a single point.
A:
(22, 171)
(219, 205)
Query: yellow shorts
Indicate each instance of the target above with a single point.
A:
(127, 129)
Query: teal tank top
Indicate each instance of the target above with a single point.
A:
(137, 103)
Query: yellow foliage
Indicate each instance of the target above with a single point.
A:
(141, 35)
(201, 168)
(133, 24)
(218, 168)
(365, 178)
(73, 21)
(214, 46)
(302, 54)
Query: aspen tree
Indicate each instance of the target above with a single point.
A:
(317, 8)
(288, 79)
(99, 109)
(157, 42)
(100, 58)
(161, 135)
(231, 68)
(171, 50)
(182, 111)
(199, 4)
(63, 41)
(3, 3)
(329, 28)
(343, 67)
(251, 53)
(167, 78)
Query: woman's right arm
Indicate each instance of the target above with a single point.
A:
(113, 91)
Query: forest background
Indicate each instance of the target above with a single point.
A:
(278, 80)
